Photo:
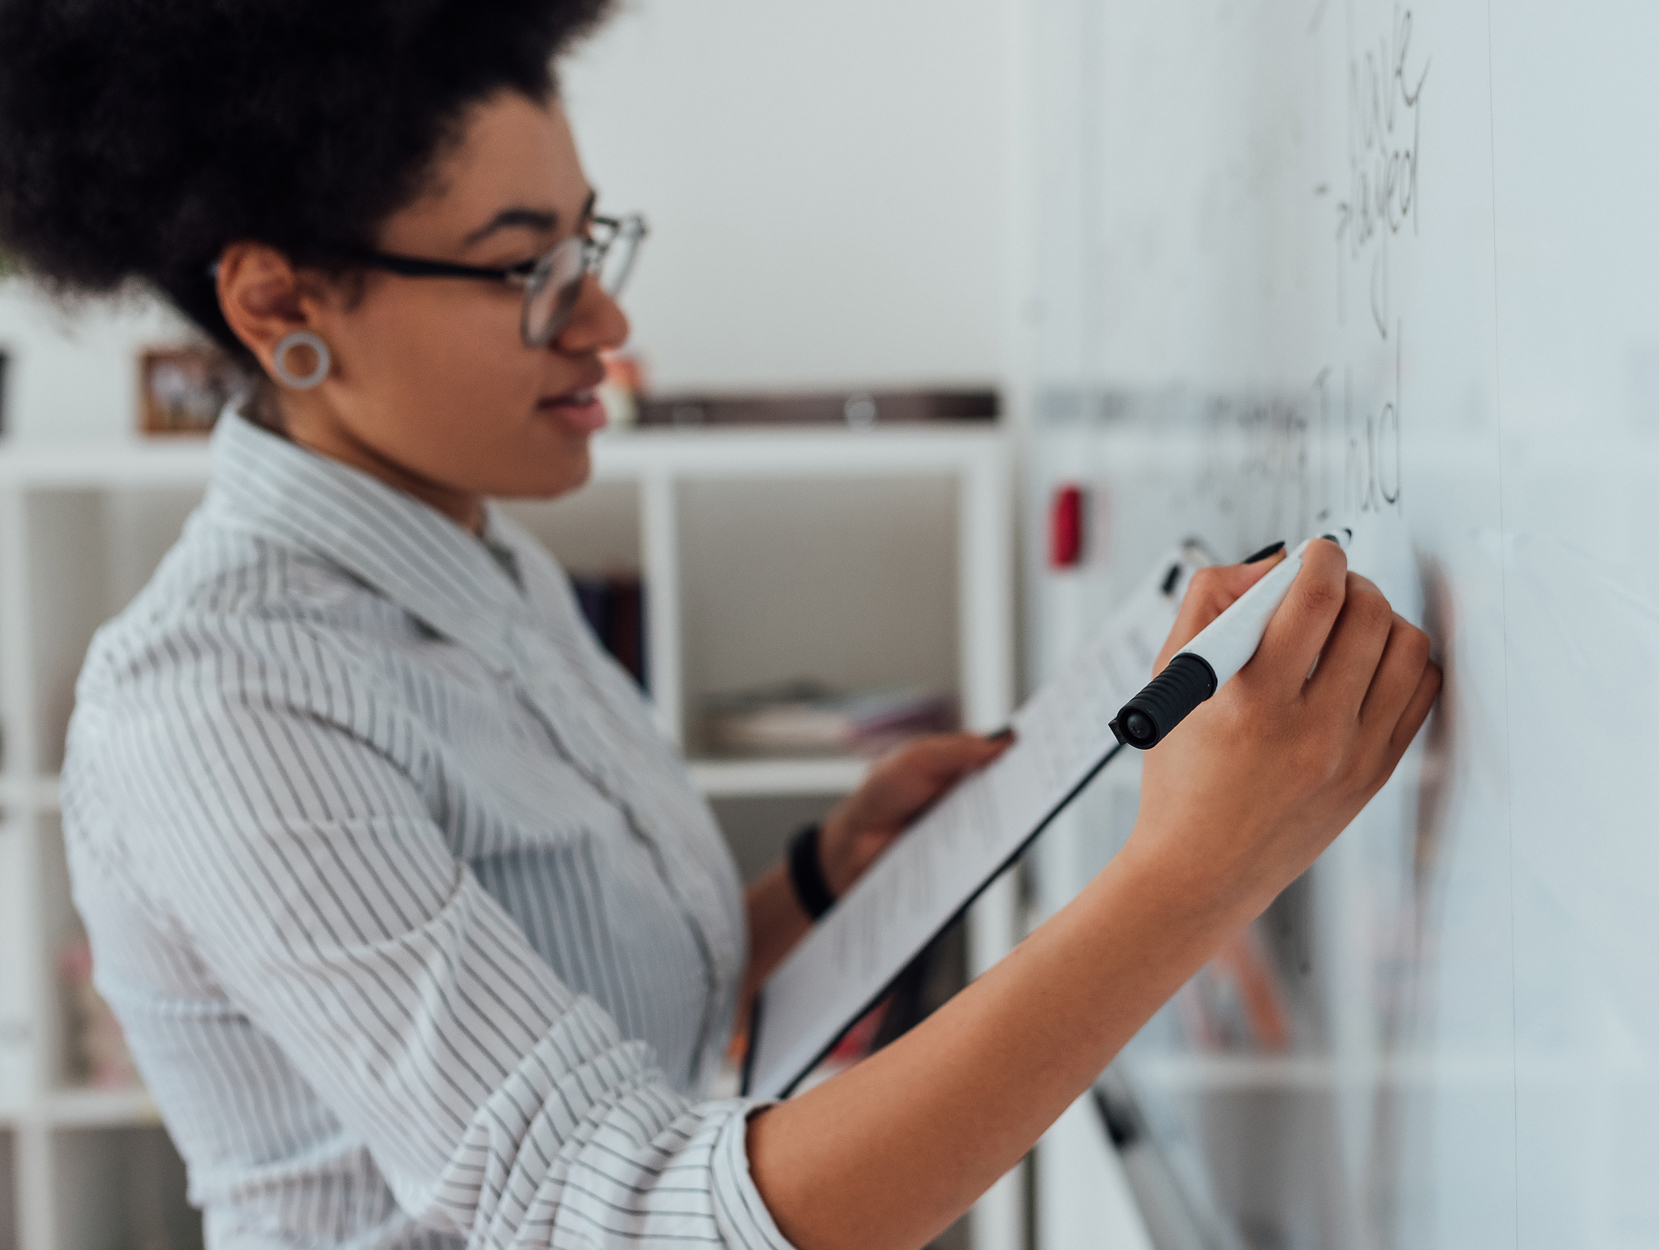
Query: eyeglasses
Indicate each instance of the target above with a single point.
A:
(552, 282)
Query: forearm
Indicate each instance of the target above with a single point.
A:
(776, 922)
(887, 1155)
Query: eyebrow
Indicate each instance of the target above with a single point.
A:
(542, 219)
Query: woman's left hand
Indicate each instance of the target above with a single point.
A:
(899, 788)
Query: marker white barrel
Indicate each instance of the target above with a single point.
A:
(1211, 659)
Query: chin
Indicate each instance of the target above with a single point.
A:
(547, 477)
(577, 472)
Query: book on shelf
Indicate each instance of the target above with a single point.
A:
(810, 718)
(614, 608)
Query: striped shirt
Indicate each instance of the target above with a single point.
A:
(417, 930)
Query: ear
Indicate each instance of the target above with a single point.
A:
(263, 298)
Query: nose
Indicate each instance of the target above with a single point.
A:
(597, 323)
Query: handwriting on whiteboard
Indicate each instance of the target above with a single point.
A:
(1290, 462)
(1385, 134)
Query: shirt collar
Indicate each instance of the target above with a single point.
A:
(407, 550)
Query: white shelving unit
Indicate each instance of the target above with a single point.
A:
(870, 557)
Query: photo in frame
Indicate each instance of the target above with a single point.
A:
(183, 389)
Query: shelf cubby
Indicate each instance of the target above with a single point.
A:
(58, 923)
(89, 551)
(852, 581)
(758, 828)
(10, 1217)
(594, 532)
(14, 659)
(17, 985)
(121, 1189)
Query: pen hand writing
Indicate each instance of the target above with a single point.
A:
(1246, 792)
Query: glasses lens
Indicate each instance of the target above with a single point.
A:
(620, 253)
(554, 286)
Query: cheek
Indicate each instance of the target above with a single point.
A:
(439, 382)
(454, 352)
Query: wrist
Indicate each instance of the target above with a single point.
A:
(1187, 888)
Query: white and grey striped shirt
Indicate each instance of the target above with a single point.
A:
(418, 931)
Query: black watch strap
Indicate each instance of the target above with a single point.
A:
(806, 873)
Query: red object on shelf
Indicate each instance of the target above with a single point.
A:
(1065, 528)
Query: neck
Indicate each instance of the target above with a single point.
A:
(306, 428)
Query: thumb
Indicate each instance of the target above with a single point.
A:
(949, 756)
(904, 782)
(938, 760)
(1210, 593)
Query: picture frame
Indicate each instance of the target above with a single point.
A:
(184, 387)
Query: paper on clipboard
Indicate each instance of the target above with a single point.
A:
(959, 846)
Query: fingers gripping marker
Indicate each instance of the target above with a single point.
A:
(1166, 701)
(1211, 659)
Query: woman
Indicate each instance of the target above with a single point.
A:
(416, 927)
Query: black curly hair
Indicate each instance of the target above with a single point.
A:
(138, 137)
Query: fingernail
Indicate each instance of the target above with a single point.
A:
(1272, 549)
(1001, 735)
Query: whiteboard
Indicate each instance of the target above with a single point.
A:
(1300, 259)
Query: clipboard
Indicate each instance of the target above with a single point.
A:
(960, 845)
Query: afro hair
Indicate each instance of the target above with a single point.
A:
(139, 137)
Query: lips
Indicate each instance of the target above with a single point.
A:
(578, 408)
(575, 399)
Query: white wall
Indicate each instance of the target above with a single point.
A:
(73, 372)
(827, 184)
(828, 188)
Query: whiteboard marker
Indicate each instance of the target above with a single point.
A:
(1209, 661)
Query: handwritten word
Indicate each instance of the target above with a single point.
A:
(1372, 459)
(1267, 462)
(1288, 462)
(1385, 134)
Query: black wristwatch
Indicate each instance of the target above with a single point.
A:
(806, 873)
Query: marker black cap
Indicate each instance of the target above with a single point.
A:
(1166, 701)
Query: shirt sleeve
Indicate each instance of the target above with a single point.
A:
(306, 871)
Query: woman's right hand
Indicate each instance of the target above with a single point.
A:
(1254, 784)
(1235, 803)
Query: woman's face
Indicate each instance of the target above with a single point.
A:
(432, 388)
